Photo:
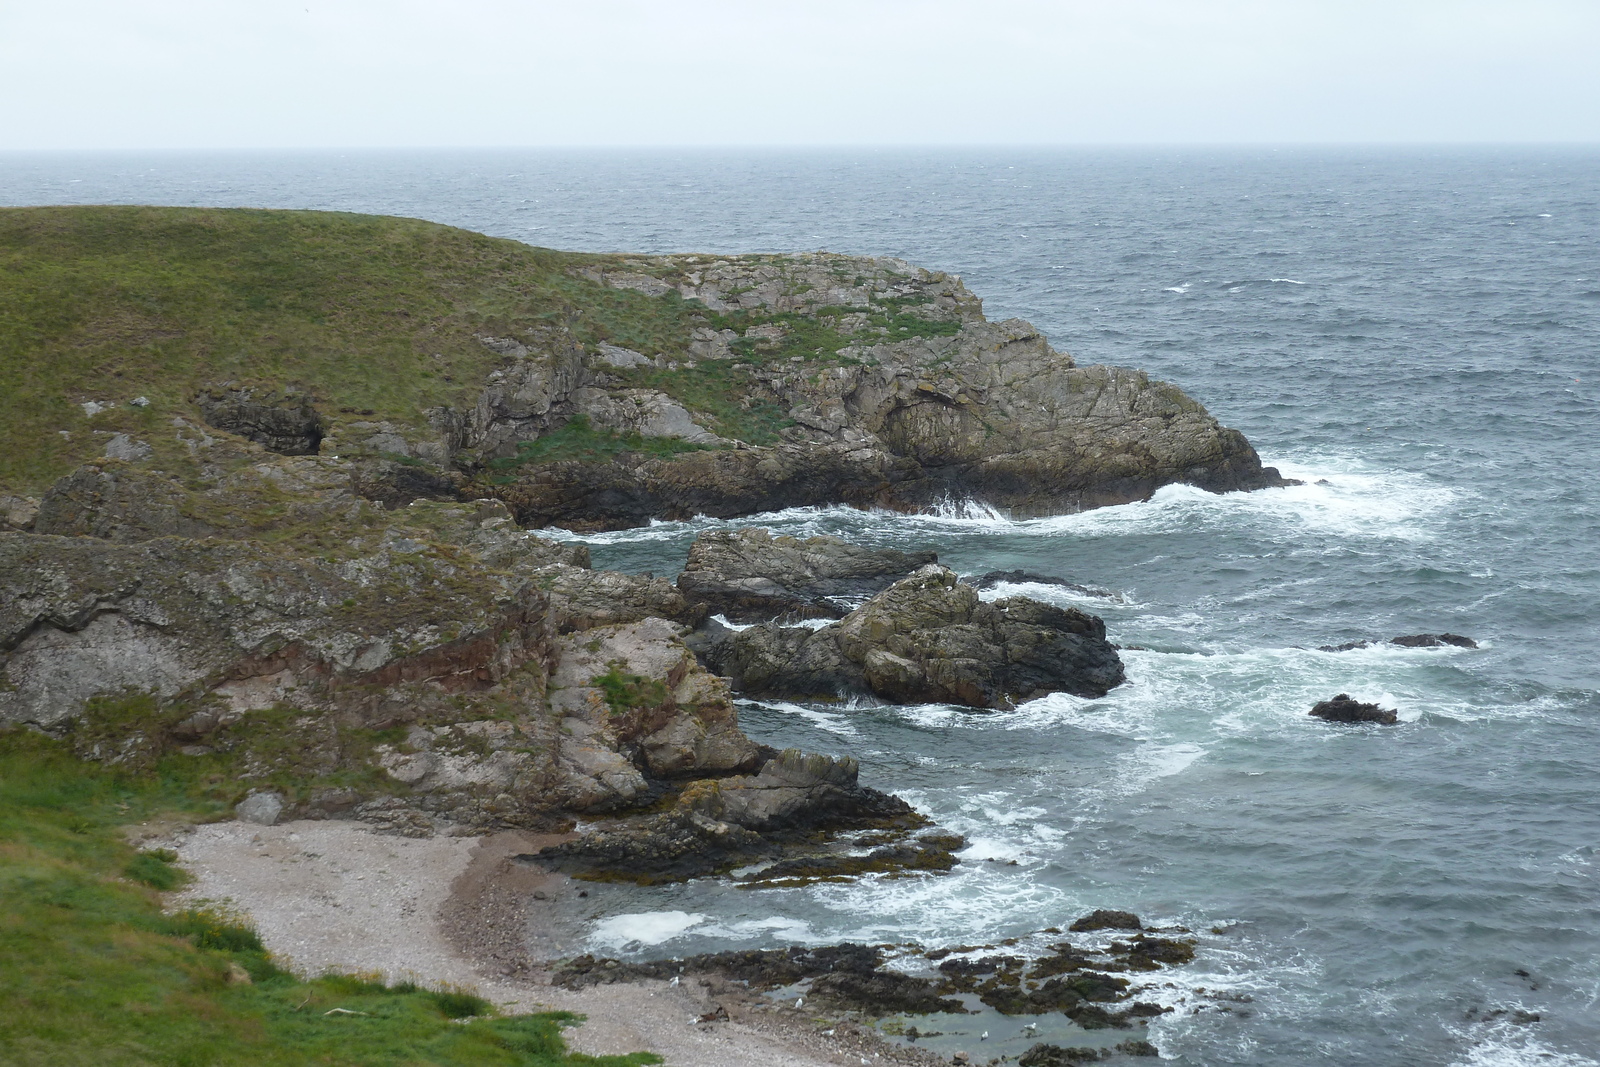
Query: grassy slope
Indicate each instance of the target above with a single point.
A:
(91, 970)
(375, 315)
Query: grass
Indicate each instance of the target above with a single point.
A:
(375, 317)
(94, 972)
(625, 691)
(578, 440)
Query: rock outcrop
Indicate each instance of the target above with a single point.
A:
(1344, 708)
(716, 825)
(912, 398)
(926, 639)
(748, 575)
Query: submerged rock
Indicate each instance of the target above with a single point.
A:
(1343, 708)
(750, 576)
(1433, 641)
(1408, 641)
(990, 579)
(1103, 919)
(928, 639)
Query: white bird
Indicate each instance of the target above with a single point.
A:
(984, 1036)
(1030, 1028)
(675, 980)
(799, 1001)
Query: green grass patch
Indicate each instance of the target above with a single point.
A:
(376, 317)
(92, 970)
(730, 396)
(578, 440)
(625, 692)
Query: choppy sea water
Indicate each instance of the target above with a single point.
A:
(1416, 334)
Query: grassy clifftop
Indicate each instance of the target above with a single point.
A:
(376, 315)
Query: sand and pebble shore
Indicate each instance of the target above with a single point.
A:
(338, 896)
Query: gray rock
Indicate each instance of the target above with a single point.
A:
(279, 421)
(1346, 709)
(263, 808)
(17, 513)
(748, 575)
(927, 639)
(128, 449)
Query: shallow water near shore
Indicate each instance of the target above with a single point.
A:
(1416, 336)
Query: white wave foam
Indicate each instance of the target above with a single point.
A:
(1286, 281)
(830, 721)
(644, 928)
(1184, 288)
(1509, 1045)
(1053, 594)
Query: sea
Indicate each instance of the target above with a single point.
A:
(1414, 333)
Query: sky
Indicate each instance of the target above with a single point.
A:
(227, 74)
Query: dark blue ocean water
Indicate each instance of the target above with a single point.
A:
(1414, 333)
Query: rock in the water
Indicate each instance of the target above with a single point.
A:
(262, 808)
(278, 421)
(928, 639)
(1343, 708)
(1433, 641)
(750, 576)
(1105, 919)
(1408, 641)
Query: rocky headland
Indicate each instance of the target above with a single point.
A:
(264, 514)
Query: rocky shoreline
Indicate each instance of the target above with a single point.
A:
(330, 615)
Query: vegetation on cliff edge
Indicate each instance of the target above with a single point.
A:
(95, 972)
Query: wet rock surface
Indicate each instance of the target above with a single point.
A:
(1446, 640)
(927, 638)
(1344, 708)
(748, 575)
(1095, 987)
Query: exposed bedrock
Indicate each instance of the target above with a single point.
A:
(961, 409)
(717, 824)
(926, 639)
(749, 575)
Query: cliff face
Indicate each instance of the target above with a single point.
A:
(264, 480)
(884, 385)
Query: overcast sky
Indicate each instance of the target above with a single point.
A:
(356, 73)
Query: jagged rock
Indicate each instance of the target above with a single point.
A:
(260, 807)
(897, 418)
(632, 701)
(799, 791)
(17, 513)
(1105, 919)
(928, 639)
(279, 421)
(749, 576)
(718, 824)
(583, 598)
(1343, 708)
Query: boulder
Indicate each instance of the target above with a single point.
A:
(928, 639)
(718, 824)
(262, 808)
(281, 421)
(1344, 708)
(750, 576)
